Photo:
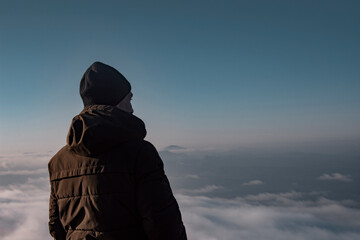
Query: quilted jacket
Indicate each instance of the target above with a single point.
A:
(109, 183)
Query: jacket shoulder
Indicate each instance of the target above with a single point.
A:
(57, 157)
(148, 159)
(59, 161)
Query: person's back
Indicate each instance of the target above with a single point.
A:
(108, 182)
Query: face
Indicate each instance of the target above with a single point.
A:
(125, 104)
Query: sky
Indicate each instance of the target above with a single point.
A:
(203, 73)
(253, 105)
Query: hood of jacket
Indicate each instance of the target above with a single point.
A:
(99, 128)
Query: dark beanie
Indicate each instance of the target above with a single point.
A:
(103, 85)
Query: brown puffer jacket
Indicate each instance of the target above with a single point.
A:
(109, 183)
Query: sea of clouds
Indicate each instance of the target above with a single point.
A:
(214, 205)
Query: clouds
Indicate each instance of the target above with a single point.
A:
(247, 218)
(24, 172)
(282, 216)
(174, 148)
(221, 197)
(253, 182)
(247, 208)
(24, 196)
(336, 176)
(250, 171)
(206, 189)
(24, 210)
(24, 161)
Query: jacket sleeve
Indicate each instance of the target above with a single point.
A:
(55, 227)
(157, 206)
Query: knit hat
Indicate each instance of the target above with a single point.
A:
(103, 85)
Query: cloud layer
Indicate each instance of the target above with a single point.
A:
(253, 182)
(23, 212)
(253, 217)
(336, 176)
(209, 212)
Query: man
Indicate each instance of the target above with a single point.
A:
(108, 182)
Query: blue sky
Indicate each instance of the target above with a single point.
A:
(204, 73)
